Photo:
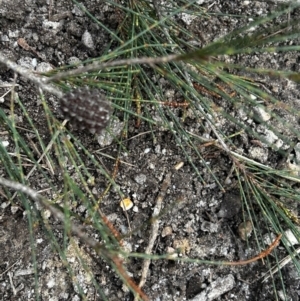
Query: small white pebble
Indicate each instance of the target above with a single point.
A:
(46, 213)
(4, 143)
(268, 239)
(87, 40)
(51, 283)
(4, 205)
(73, 60)
(14, 209)
(53, 26)
(151, 166)
(291, 238)
(261, 113)
(147, 150)
(140, 178)
(34, 62)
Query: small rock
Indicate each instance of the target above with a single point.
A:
(43, 67)
(115, 127)
(283, 296)
(270, 137)
(187, 18)
(46, 214)
(242, 113)
(172, 252)
(258, 153)
(87, 40)
(194, 286)
(209, 227)
(4, 38)
(220, 286)
(166, 231)
(26, 62)
(245, 230)
(140, 178)
(293, 168)
(261, 114)
(53, 26)
(14, 209)
(147, 150)
(291, 238)
(73, 60)
(24, 272)
(216, 289)
(4, 143)
(77, 11)
(268, 239)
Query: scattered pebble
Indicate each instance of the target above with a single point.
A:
(87, 40)
(258, 153)
(43, 67)
(46, 213)
(4, 143)
(220, 286)
(24, 272)
(73, 60)
(261, 114)
(209, 227)
(26, 62)
(77, 11)
(166, 231)
(269, 238)
(291, 238)
(216, 289)
(53, 26)
(3, 205)
(147, 150)
(140, 178)
(270, 137)
(245, 230)
(283, 296)
(14, 209)
(115, 127)
(293, 168)
(172, 252)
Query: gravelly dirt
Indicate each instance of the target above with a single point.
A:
(204, 222)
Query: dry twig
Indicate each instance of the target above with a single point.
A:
(155, 223)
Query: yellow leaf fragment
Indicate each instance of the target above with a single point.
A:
(126, 204)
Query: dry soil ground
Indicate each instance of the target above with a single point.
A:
(199, 222)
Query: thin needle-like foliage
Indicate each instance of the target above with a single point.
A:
(201, 77)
